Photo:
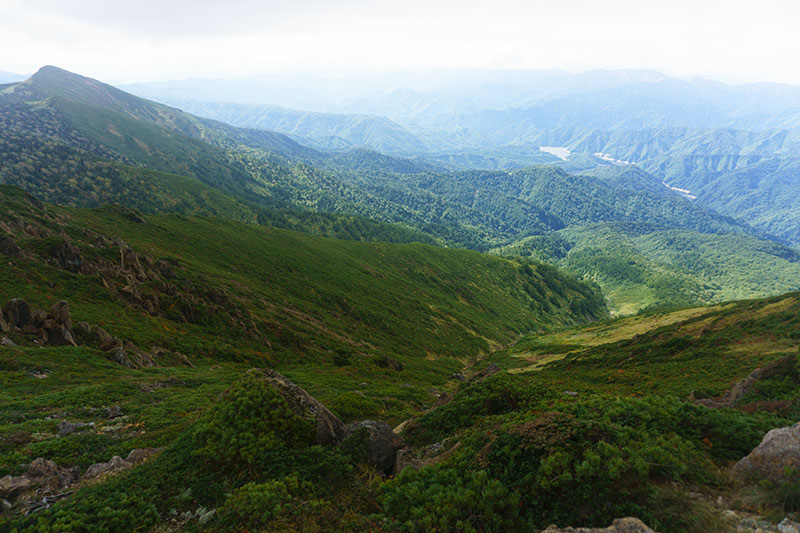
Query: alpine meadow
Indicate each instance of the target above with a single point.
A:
(399, 267)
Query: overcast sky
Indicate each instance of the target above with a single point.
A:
(147, 40)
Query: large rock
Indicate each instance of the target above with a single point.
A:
(18, 312)
(116, 464)
(405, 459)
(58, 325)
(620, 525)
(329, 429)
(60, 336)
(136, 456)
(4, 326)
(378, 441)
(778, 451)
(60, 313)
(68, 428)
(44, 475)
(89, 335)
(11, 486)
(49, 476)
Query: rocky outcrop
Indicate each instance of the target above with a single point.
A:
(53, 328)
(44, 475)
(131, 356)
(151, 284)
(329, 429)
(620, 525)
(89, 335)
(742, 387)
(67, 256)
(778, 451)
(118, 464)
(113, 412)
(377, 441)
(44, 482)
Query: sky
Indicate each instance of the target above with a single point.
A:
(149, 40)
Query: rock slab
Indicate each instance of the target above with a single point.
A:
(778, 452)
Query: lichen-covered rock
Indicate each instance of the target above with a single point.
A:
(778, 451)
(620, 525)
(128, 354)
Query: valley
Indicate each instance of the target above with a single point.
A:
(425, 316)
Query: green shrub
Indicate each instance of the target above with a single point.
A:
(497, 394)
(251, 419)
(255, 505)
(443, 499)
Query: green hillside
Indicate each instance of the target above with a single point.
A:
(585, 424)
(265, 294)
(641, 265)
(79, 142)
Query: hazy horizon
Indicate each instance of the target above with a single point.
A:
(151, 42)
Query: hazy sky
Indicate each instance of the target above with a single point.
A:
(145, 40)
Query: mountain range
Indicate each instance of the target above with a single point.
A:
(732, 146)
(160, 159)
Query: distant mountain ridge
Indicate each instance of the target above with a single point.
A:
(77, 141)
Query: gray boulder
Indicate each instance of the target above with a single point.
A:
(127, 354)
(778, 451)
(405, 459)
(49, 476)
(116, 464)
(68, 428)
(11, 486)
(113, 412)
(378, 441)
(5, 341)
(44, 475)
(89, 335)
(141, 454)
(620, 525)
(18, 312)
(60, 313)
